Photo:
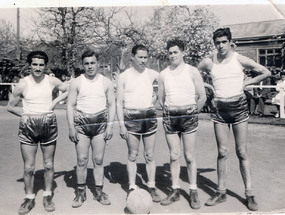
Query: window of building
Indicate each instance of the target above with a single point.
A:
(270, 57)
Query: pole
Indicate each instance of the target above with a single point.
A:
(18, 51)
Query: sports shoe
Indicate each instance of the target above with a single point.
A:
(48, 204)
(79, 198)
(216, 199)
(154, 195)
(251, 203)
(172, 197)
(27, 205)
(101, 197)
(194, 200)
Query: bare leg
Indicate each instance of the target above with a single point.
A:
(149, 145)
(82, 150)
(189, 141)
(240, 134)
(98, 145)
(29, 157)
(173, 141)
(48, 160)
(222, 133)
(133, 142)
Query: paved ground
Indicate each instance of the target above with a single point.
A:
(265, 146)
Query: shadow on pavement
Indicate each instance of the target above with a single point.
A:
(39, 181)
(163, 182)
(116, 173)
(71, 181)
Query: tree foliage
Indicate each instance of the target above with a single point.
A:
(7, 37)
(193, 25)
(113, 31)
(72, 30)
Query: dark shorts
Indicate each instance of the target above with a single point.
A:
(38, 128)
(140, 121)
(231, 110)
(180, 119)
(90, 124)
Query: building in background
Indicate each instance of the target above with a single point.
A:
(262, 41)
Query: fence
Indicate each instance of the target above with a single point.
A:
(282, 115)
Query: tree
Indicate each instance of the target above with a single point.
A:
(193, 25)
(60, 28)
(74, 29)
(113, 31)
(7, 38)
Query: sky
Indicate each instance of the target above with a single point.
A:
(235, 12)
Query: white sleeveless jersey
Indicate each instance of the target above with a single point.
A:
(138, 89)
(179, 88)
(38, 97)
(227, 78)
(91, 97)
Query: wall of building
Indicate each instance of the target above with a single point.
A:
(251, 48)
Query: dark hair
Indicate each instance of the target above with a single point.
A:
(175, 42)
(221, 32)
(37, 54)
(89, 53)
(139, 47)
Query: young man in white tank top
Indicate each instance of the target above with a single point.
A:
(226, 69)
(137, 115)
(182, 96)
(36, 91)
(90, 116)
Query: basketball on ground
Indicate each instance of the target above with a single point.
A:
(139, 201)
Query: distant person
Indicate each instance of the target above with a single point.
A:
(226, 69)
(257, 105)
(90, 115)
(182, 96)
(137, 116)
(37, 125)
(280, 86)
(260, 95)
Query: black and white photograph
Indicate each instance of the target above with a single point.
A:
(153, 107)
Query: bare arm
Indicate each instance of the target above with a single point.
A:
(119, 103)
(155, 79)
(61, 86)
(252, 65)
(209, 86)
(200, 90)
(15, 98)
(205, 66)
(71, 104)
(110, 95)
(161, 90)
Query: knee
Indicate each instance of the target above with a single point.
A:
(242, 155)
(82, 161)
(175, 156)
(223, 153)
(149, 157)
(97, 161)
(29, 170)
(133, 156)
(48, 166)
(189, 157)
